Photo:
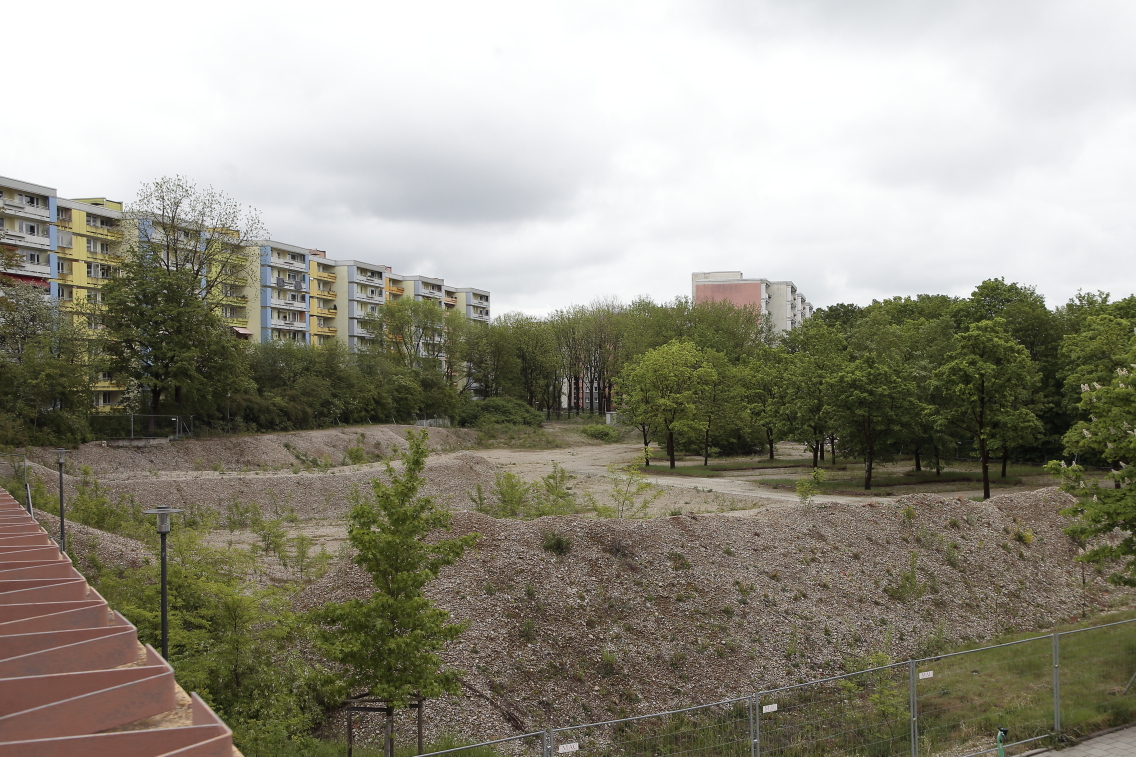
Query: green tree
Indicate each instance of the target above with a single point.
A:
(765, 388)
(668, 378)
(1109, 433)
(986, 379)
(873, 406)
(203, 235)
(816, 353)
(716, 398)
(162, 334)
(389, 643)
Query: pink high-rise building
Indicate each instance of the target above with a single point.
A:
(777, 300)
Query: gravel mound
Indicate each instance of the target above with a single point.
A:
(644, 616)
(252, 452)
(84, 542)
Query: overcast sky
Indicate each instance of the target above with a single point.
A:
(556, 152)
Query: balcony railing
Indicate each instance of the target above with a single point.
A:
(395, 290)
(15, 207)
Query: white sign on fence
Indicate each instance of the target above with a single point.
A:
(926, 674)
(769, 708)
(565, 748)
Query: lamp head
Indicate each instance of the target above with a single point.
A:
(61, 456)
(163, 512)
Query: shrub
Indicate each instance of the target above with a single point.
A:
(557, 544)
(1024, 537)
(527, 631)
(601, 432)
(504, 410)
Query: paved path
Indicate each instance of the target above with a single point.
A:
(1118, 744)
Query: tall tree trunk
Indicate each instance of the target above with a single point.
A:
(868, 468)
(769, 438)
(155, 405)
(984, 453)
(816, 453)
(1116, 481)
(706, 447)
(1005, 459)
(646, 448)
(832, 444)
(938, 462)
(821, 445)
(671, 447)
(918, 459)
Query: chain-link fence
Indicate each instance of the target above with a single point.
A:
(1041, 690)
(139, 426)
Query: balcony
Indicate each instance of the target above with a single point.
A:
(450, 300)
(105, 232)
(324, 330)
(17, 208)
(278, 323)
(322, 276)
(325, 293)
(27, 240)
(292, 265)
(395, 290)
(288, 304)
(324, 312)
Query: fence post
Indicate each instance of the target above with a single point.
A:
(547, 741)
(1056, 684)
(755, 727)
(914, 710)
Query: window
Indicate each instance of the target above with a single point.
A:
(34, 258)
(31, 201)
(104, 376)
(371, 292)
(33, 229)
(66, 293)
(66, 239)
(64, 215)
(373, 309)
(65, 267)
(97, 246)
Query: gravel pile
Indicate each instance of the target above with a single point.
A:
(644, 616)
(83, 542)
(311, 494)
(252, 452)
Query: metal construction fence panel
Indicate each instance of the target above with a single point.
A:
(722, 728)
(1097, 667)
(961, 699)
(1040, 689)
(535, 743)
(864, 713)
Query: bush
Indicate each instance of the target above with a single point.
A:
(505, 410)
(601, 432)
(557, 544)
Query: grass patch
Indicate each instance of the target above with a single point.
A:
(510, 436)
(855, 485)
(713, 469)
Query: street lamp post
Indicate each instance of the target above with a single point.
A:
(61, 456)
(164, 512)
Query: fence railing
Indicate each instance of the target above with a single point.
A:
(1042, 689)
(14, 478)
(138, 425)
(434, 422)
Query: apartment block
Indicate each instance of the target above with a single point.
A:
(362, 289)
(474, 303)
(27, 228)
(283, 293)
(779, 301)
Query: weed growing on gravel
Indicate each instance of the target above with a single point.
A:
(527, 631)
(908, 587)
(356, 454)
(631, 493)
(609, 664)
(557, 544)
(678, 561)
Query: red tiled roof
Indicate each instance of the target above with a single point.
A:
(73, 678)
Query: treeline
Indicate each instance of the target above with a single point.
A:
(997, 374)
